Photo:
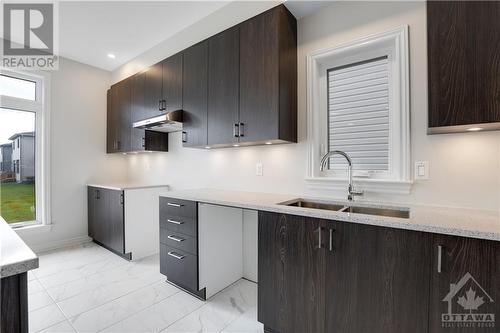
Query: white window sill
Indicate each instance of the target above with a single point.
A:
(369, 185)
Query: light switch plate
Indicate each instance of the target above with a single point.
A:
(422, 170)
(258, 169)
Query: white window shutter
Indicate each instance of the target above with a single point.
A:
(358, 114)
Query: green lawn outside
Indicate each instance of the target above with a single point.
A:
(17, 202)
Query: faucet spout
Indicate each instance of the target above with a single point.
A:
(350, 190)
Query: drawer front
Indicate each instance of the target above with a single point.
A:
(180, 267)
(179, 241)
(178, 208)
(183, 225)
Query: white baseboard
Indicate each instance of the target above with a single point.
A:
(60, 244)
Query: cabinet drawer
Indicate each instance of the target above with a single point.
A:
(178, 240)
(178, 208)
(179, 266)
(184, 225)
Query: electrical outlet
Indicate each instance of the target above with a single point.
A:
(258, 169)
(421, 170)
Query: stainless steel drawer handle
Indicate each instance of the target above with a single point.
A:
(174, 222)
(175, 255)
(177, 239)
(174, 204)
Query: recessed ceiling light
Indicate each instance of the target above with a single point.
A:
(124, 153)
(208, 147)
(269, 143)
(236, 145)
(474, 129)
(111, 56)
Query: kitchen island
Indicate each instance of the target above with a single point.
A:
(16, 259)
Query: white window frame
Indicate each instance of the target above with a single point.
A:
(41, 107)
(394, 44)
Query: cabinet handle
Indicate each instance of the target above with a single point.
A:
(184, 137)
(174, 204)
(319, 237)
(236, 130)
(440, 255)
(121, 199)
(97, 194)
(175, 255)
(174, 222)
(331, 240)
(241, 130)
(143, 142)
(159, 105)
(177, 239)
(164, 105)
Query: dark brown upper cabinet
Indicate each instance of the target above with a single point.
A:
(194, 90)
(141, 139)
(153, 95)
(119, 118)
(268, 77)
(237, 87)
(463, 65)
(223, 86)
(172, 83)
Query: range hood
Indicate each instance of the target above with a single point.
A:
(168, 122)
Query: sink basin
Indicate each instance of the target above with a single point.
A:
(345, 208)
(314, 204)
(403, 214)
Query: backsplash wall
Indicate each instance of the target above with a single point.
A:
(464, 168)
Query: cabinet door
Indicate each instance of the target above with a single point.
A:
(115, 236)
(91, 197)
(195, 95)
(153, 91)
(463, 63)
(377, 279)
(259, 77)
(291, 272)
(223, 86)
(465, 282)
(110, 122)
(99, 229)
(138, 110)
(123, 126)
(172, 83)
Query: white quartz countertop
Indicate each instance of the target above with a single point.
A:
(483, 224)
(15, 256)
(120, 186)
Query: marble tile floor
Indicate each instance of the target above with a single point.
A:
(89, 289)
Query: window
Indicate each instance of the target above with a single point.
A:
(358, 102)
(23, 119)
(358, 114)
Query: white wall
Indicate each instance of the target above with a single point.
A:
(78, 151)
(464, 168)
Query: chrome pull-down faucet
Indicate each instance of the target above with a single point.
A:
(351, 192)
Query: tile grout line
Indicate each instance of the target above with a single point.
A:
(112, 300)
(149, 306)
(196, 309)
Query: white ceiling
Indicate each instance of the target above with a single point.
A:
(89, 30)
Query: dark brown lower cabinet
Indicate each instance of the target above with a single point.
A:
(376, 279)
(106, 219)
(465, 285)
(291, 272)
(14, 304)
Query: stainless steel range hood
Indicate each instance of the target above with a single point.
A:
(168, 122)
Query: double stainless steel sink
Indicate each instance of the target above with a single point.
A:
(350, 208)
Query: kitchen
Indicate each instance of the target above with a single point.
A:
(232, 193)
